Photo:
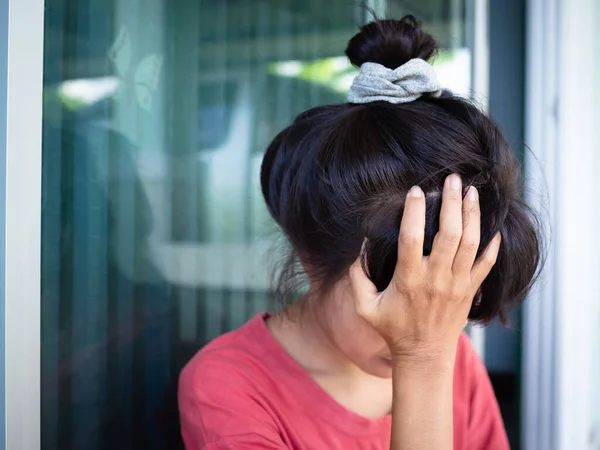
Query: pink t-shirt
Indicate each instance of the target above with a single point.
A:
(244, 391)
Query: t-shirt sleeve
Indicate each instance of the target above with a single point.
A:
(219, 410)
(485, 429)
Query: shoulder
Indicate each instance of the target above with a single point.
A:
(475, 400)
(469, 370)
(223, 390)
(466, 355)
(231, 359)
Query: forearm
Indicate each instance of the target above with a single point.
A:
(422, 407)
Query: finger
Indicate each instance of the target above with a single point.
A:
(447, 240)
(469, 241)
(365, 292)
(411, 235)
(486, 261)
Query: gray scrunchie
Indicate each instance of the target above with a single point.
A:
(407, 83)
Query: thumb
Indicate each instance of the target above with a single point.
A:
(366, 297)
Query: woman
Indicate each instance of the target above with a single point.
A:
(402, 207)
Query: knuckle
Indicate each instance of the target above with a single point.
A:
(451, 236)
(436, 290)
(458, 291)
(406, 285)
(454, 196)
(471, 214)
(470, 245)
(410, 238)
(474, 208)
(361, 311)
(489, 260)
(365, 309)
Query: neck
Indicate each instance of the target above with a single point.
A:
(301, 330)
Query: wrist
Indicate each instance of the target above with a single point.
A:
(425, 360)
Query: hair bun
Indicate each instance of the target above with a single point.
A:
(391, 43)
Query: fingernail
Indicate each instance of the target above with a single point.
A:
(415, 191)
(472, 194)
(454, 181)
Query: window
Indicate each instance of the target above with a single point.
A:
(154, 240)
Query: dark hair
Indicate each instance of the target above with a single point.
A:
(339, 174)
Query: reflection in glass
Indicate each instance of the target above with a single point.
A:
(155, 236)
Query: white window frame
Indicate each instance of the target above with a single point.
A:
(23, 223)
(560, 318)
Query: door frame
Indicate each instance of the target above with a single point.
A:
(22, 221)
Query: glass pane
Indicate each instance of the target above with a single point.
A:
(155, 236)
